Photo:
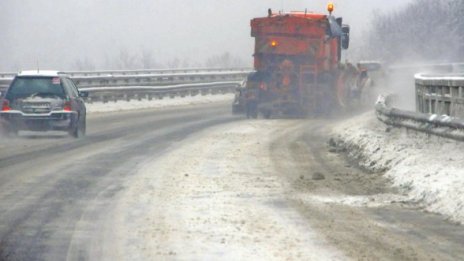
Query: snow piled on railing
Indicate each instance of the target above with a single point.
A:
(429, 169)
(440, 77)
(163, 87)
(98, 107)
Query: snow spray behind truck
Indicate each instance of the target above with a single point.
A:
(297, 63)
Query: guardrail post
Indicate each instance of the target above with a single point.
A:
(440, 94)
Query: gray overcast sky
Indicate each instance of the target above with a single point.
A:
(57, 33)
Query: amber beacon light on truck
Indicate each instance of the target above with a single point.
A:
(330, 8)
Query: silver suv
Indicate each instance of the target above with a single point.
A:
(42, 101)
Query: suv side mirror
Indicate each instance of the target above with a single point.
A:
(84, 94)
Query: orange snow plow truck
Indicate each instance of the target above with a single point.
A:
(297, 63)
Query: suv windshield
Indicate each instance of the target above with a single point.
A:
(23, 87)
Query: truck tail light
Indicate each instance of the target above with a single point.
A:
(6, 105)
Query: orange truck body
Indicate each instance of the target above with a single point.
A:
(297, 59)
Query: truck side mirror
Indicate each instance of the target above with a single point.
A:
(345, 38)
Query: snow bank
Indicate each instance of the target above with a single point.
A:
(166, 102)
(429, 169)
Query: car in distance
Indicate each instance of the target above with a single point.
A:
(239, 103)
(43, 101)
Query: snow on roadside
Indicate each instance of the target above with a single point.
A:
(429, 169)
(97, 107)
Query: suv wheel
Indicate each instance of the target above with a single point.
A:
(78, 131)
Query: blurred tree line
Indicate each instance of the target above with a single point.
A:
(128, 60)
(426, 30)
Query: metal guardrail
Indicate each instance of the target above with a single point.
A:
(147, 77)
(106, 94)
(157, 79)
(439, 102)
(431, 124)
(440, 94)
(116, 85)
(10, 75)
(140, 71)
(155, 71)
(7, 75)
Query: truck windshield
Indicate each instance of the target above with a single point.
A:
(38, 86)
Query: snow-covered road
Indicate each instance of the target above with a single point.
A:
(269, 190)
(195, 183)
(218, 197)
